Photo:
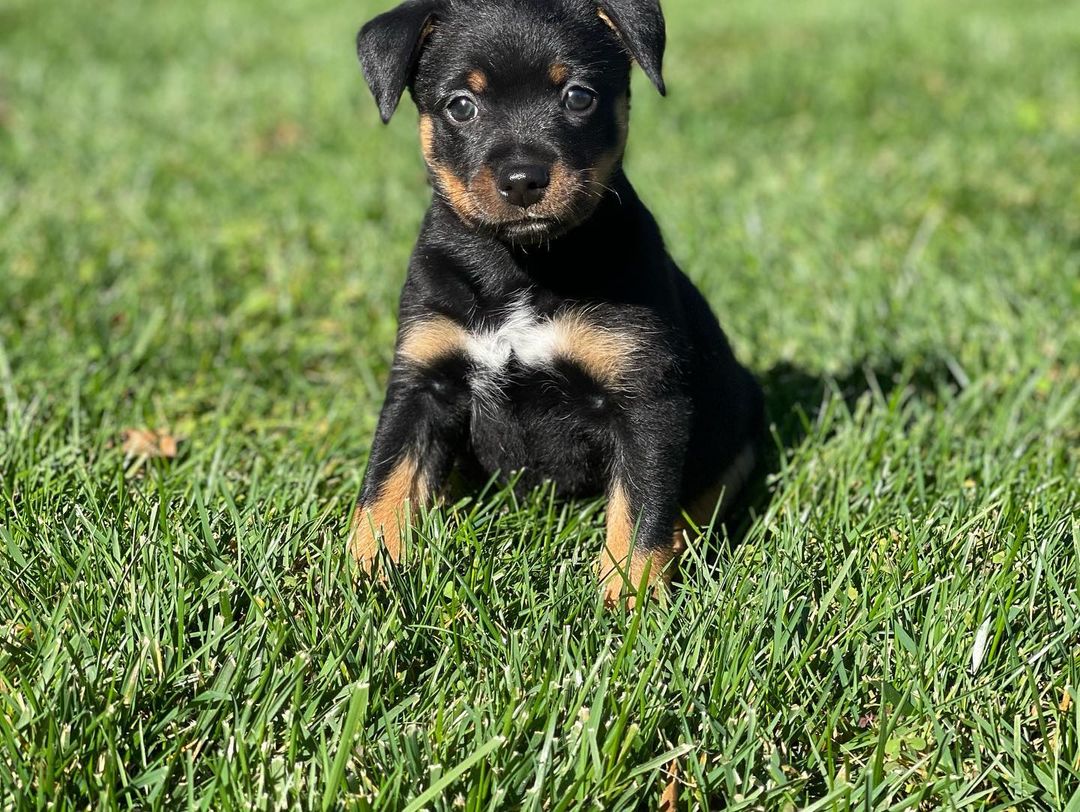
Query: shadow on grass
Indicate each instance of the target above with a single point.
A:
(794, 400)
(794, 397)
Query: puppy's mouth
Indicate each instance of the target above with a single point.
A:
(532, 231)
(568, 199)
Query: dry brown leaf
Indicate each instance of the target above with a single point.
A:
(167, 444)
(147, 443)
(1066, 700)
(669, 799)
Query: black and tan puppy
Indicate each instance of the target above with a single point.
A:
(544, 330)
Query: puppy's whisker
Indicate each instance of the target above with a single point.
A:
(607, 188)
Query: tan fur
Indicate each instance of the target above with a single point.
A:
(454, 189)
(427, 341)
(485, 196)
(607, 21)
(607, 355)
(427, 138)
(457, 193)
(478, 200)
(622, 568)
(558, 73)
(388, 515)
(563, 189)
(485, 204)
(477, 81)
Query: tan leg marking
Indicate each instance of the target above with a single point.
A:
(622, 568)
(387, 517)
(558, 73)
(605, 354)
(477, 81)
(619, 558)
(430, 340)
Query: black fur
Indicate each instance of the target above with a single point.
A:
(388, 47)
(640, 24)
(683, 408)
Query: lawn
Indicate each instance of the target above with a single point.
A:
(203, 232)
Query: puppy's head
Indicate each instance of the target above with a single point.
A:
(523, 104)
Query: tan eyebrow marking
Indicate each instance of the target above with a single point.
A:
(477, 81)
(558, 73)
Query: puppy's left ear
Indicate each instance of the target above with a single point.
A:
(640, 26)
(388, 48)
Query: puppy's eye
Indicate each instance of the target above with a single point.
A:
(461, 109)
(579, 99)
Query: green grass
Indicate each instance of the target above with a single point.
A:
(203, 229)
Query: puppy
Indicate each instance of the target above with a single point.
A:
(544, 332)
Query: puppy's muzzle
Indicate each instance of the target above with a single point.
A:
(523, 185)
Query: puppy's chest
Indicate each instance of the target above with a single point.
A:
(524, 341)
(521, 345)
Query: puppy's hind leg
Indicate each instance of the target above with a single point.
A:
(716, 501)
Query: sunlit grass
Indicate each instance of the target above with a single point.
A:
(203, 231)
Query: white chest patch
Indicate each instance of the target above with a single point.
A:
(533, 340)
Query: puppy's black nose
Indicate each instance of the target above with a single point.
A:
(523, 184)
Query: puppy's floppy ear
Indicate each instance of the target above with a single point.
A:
(388, 48)
(640, 26)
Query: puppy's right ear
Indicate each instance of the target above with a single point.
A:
(388, 48)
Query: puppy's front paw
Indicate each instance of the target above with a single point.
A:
(366, 536)
(623, 577)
